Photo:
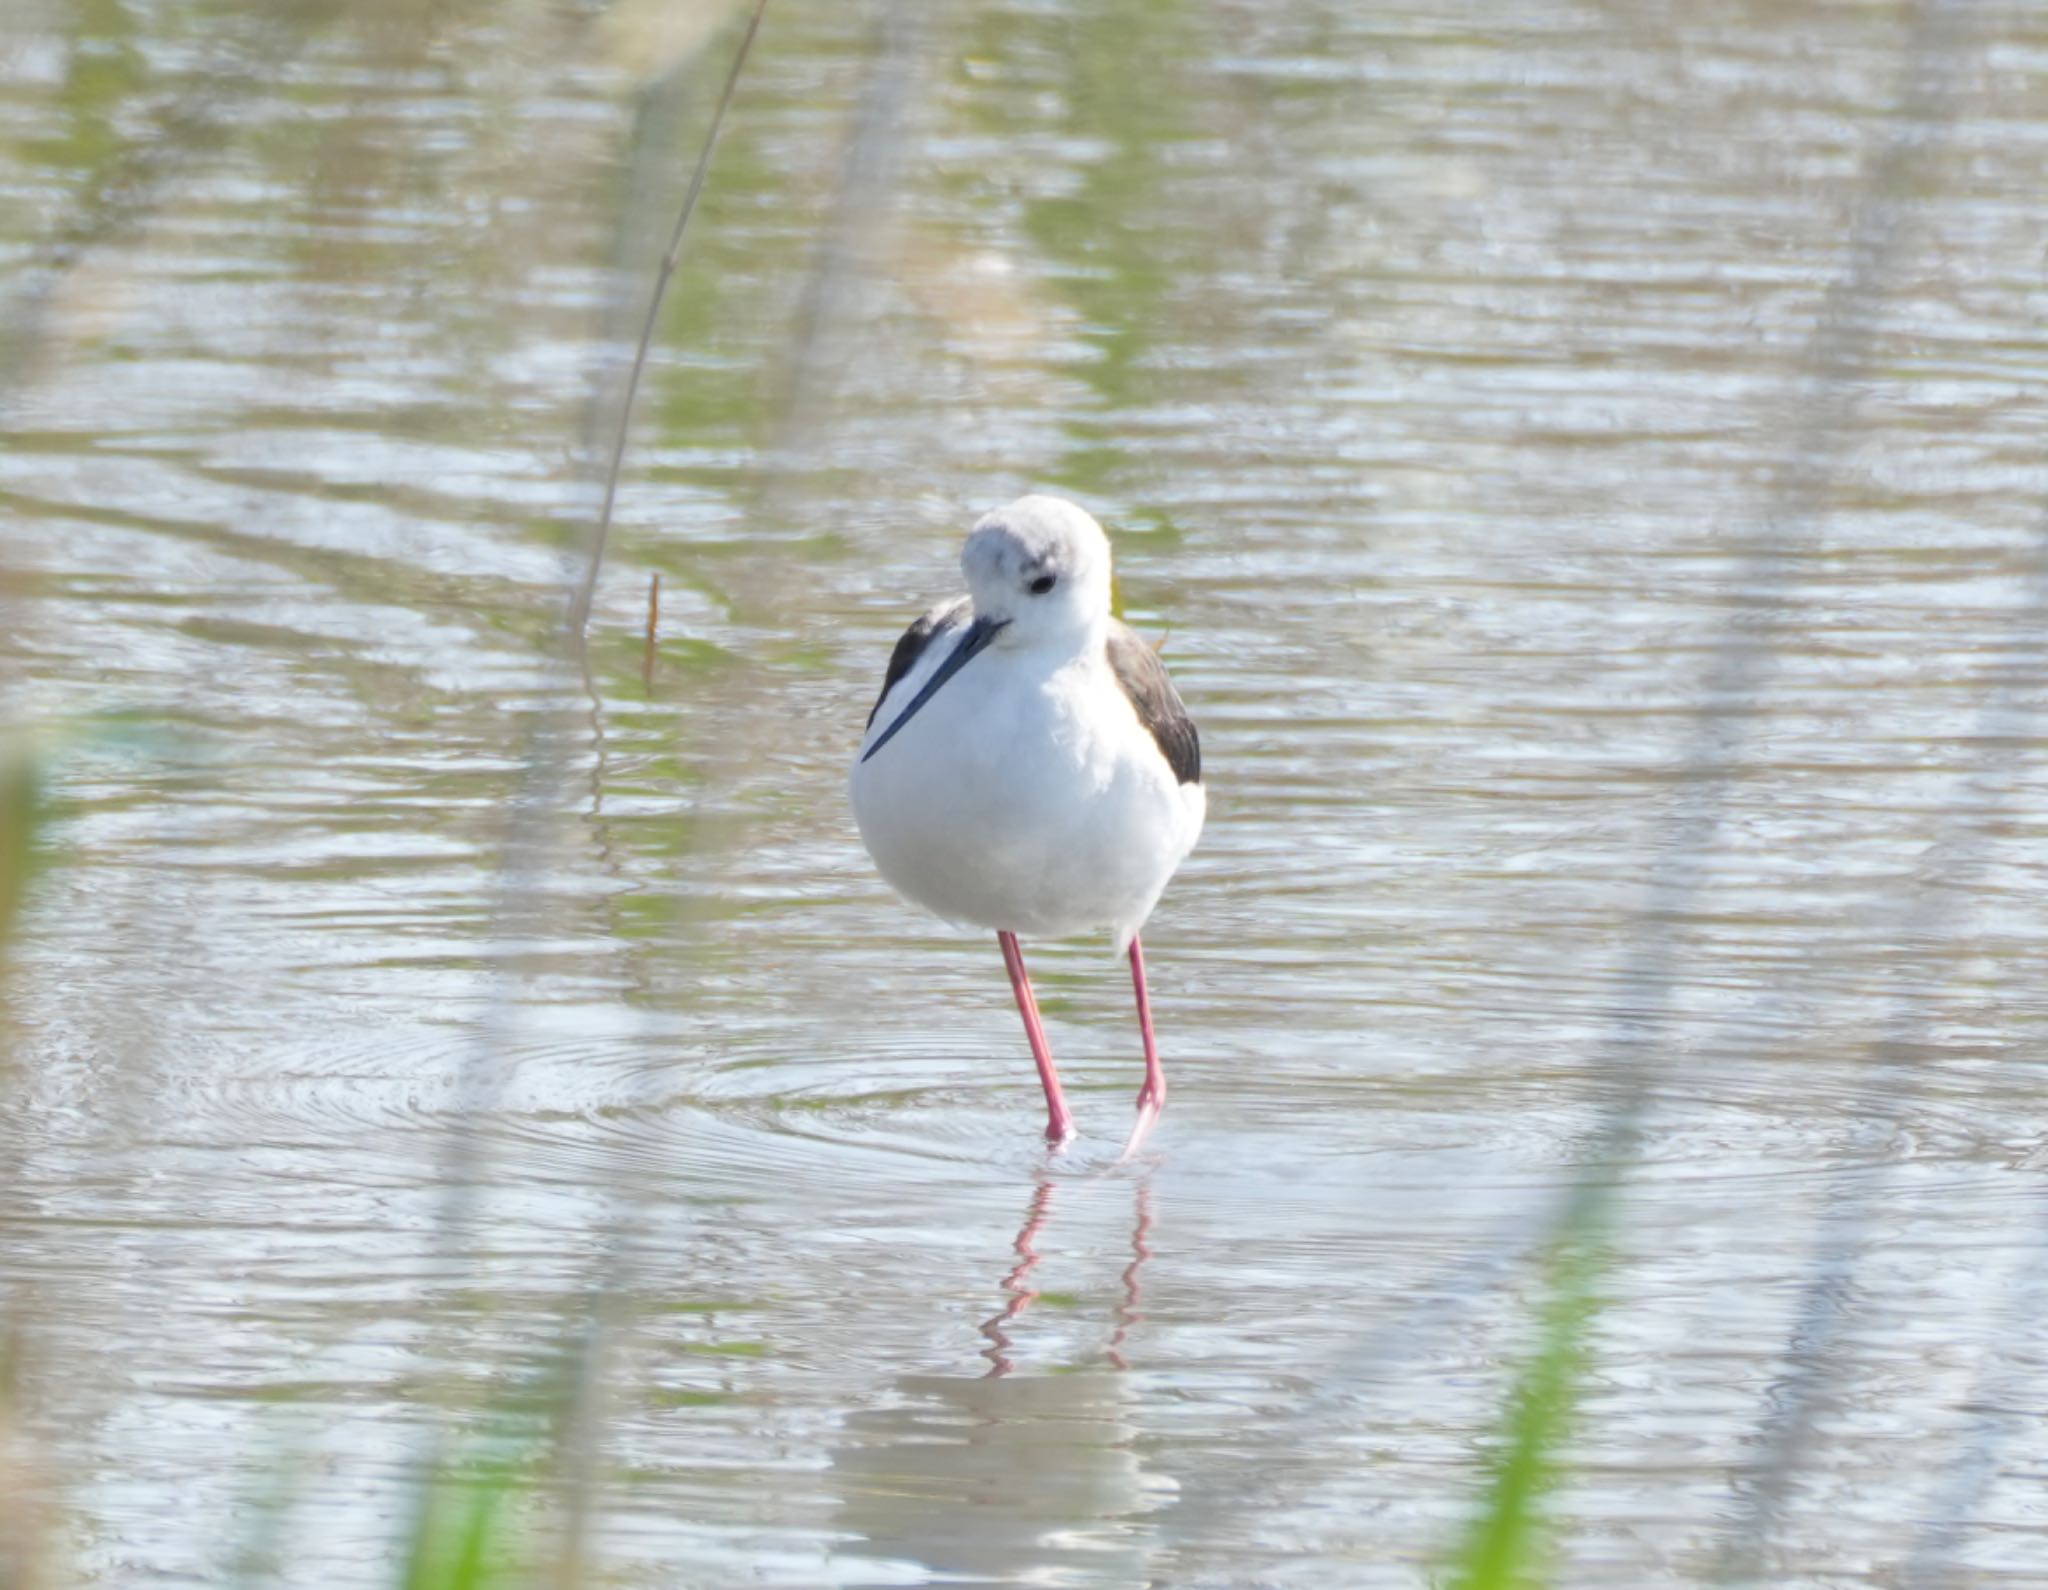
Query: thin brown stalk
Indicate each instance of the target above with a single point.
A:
(653, 623)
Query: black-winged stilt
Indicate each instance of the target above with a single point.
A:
(1029, 767)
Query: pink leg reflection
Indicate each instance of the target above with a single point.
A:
(1127, 1313)
(1021, 1294)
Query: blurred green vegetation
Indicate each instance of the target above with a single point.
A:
(22, 810)
(1506, 1545)
(468, 1533)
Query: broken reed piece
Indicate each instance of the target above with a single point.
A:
(653, 622)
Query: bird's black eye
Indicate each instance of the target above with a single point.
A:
(1042, 584)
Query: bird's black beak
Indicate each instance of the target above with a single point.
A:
(979, 634)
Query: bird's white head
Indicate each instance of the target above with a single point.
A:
(1040, 568)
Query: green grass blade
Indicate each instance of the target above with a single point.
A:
(1506, 1546)
(462, 1540)
(21, 818)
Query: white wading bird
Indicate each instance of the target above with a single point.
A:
(1029, 767)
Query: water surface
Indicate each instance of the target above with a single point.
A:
(1586, 465)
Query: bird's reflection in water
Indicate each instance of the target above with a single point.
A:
(1017, 1283)
(1127, 1315)
(1021, 1293)
(1012, 1477)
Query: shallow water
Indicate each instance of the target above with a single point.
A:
(1588, 472)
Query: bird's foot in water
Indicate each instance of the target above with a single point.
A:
(1150, 1102)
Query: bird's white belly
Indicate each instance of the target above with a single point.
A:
(1025, 800)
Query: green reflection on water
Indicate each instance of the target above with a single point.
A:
(1116, 249)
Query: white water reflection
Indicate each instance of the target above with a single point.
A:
(1036, 1479)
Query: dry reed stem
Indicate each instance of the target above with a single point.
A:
(653, 624)
(579, 606)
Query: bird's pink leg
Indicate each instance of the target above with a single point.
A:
(1152, 1096)
(1059, 1121)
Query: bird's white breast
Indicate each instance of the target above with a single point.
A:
(1024, 796)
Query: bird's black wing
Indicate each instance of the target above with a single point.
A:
(912, 643)
(1143, 676)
